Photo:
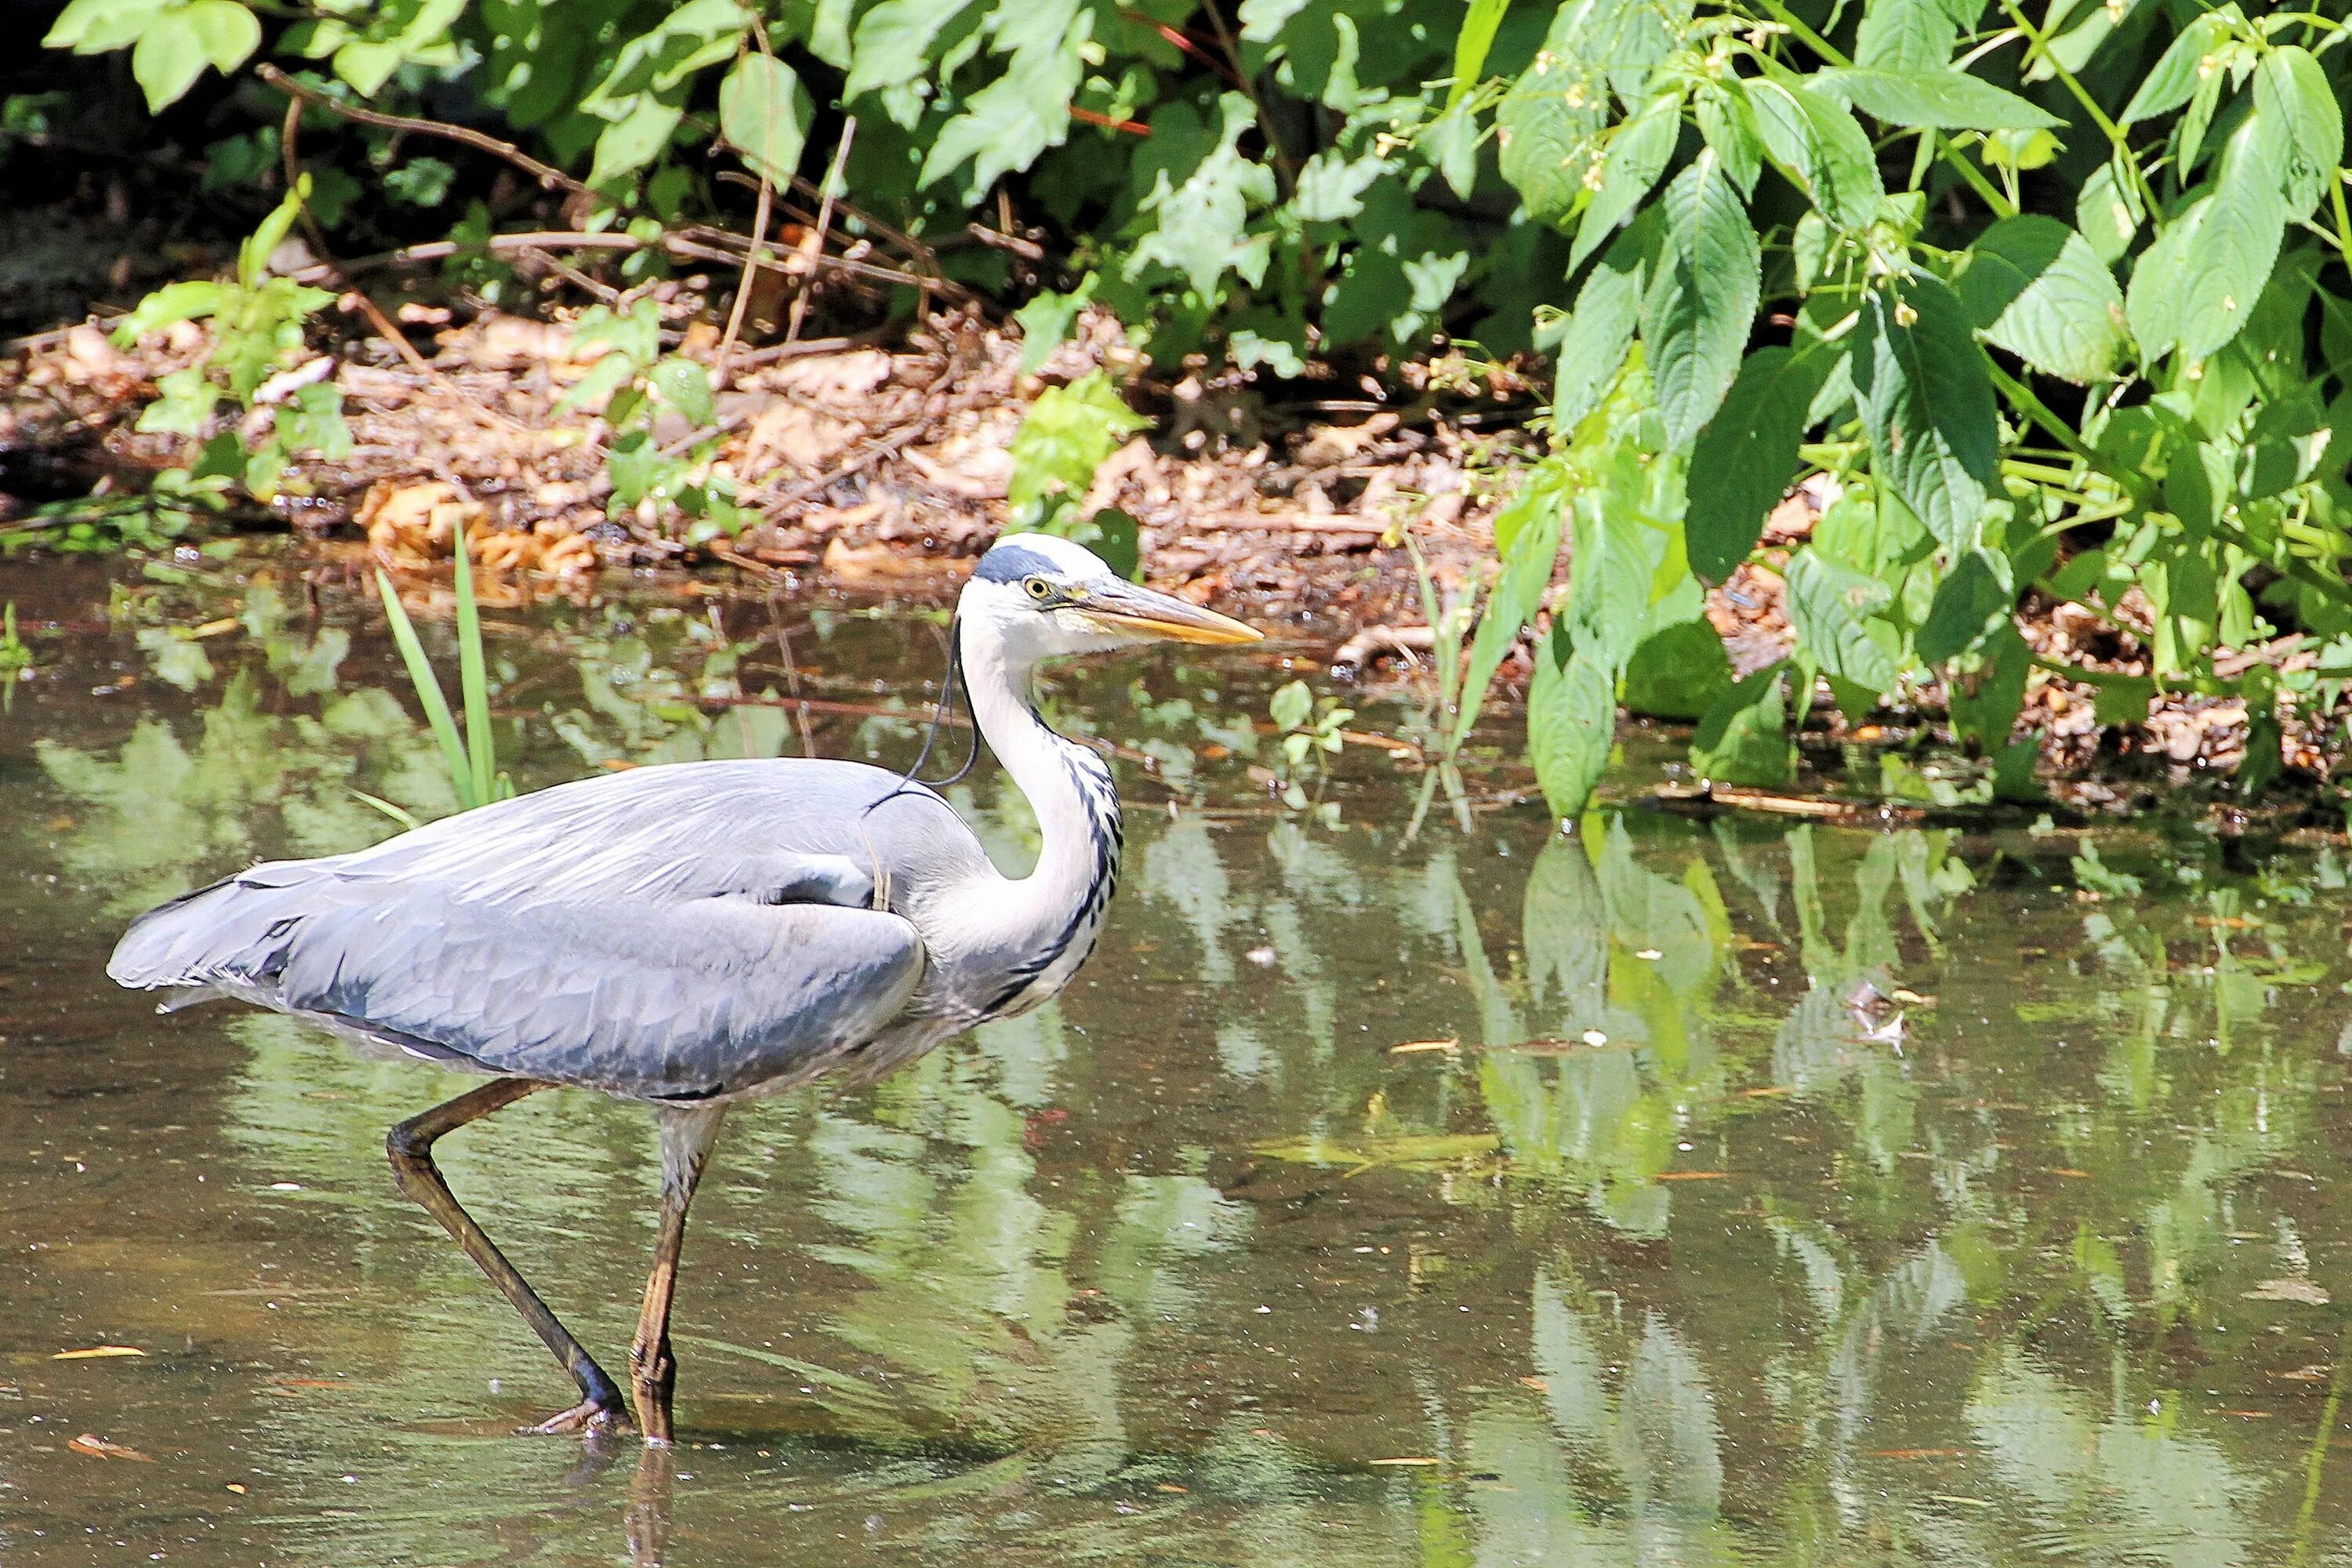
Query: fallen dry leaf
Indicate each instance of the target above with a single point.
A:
(416, 524)
(98, 1352)
(792, 436)
(100, 1449)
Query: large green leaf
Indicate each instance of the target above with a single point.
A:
(1986, 700)
(1697, 312)
(1547, 131)
(765, 111)
(1202, 212)
(2035, 287)
(1910, 35)
(2194, 288)
(1926, 396)
(1527, 532)
(1973, 597)
(1679, 672)
(1636, 154)
(1744, 738)
(1572, 723)
(2184, 65)
(1592, 349)
(1006, 124)
(1830, 608)
(1814, 139)
(1743, 460)
(2302, 128)
(95, 27)
(1938, 98)
(892, 40)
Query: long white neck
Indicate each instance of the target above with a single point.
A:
(1037, 930)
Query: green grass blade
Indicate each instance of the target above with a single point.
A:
(428, 693)
(474, 683)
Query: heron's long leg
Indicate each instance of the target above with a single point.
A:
(410, 1148)
(686, 1139)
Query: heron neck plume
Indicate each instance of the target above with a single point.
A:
(1041, 926)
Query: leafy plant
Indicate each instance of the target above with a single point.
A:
(1062, 439)
(2053, 304)
(257, 323)
(471, 755)
(1312, 732)
(637, 382)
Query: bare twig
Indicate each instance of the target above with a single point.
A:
(743, 285)
(497, 245)
(546, 173)
(289, 137)
(815, 248)
(874, 452)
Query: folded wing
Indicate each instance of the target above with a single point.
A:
(661, 997)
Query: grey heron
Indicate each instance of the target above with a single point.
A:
(693, 934)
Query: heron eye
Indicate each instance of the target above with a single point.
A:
(1039, 588)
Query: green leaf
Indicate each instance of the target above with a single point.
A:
(1065, 437)
(2183, 66)
(635, 139)
(1046, 323)
(429, 694)
(186, 406)
(95, 27)
(1697, 311)
(893, 41)
(1986, 700)
(765, 111)
(1547, 133)
(1600, 329)
(685, 386)
(1744, 738)
(1910, 35)
(226, 30)
(1635, 156)
(1470, 47)
(2108, 214)
(1974, 597)
(1926, 396)
(1571, 725)
(167, 59)
(1814, 140)
(173, 302)
(1939, 98)
(2036, 288)
(367, 65)
(1744, 457)
(253, 256)
(1008, 123)
(2194, 288)
(1680, 672)
(1830, 608)
(2303, 127)
(1202, 213)
(1527, 533)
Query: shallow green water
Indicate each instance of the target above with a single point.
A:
(1672, 1257)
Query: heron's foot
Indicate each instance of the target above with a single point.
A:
(595, 1418)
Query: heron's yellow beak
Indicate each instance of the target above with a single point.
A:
(1140, 612)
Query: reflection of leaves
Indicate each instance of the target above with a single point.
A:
(160, 811)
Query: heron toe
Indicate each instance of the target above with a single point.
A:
(592, 1417)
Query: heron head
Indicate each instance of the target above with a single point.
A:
(1045, 595)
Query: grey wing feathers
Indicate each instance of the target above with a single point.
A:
(680, 1001)
(632, 933)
